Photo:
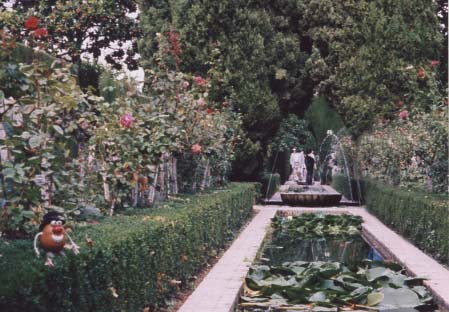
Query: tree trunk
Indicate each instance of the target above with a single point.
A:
(174, 175)
(152, 188)
(205, 172)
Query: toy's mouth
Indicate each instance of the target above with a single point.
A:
(57, 238)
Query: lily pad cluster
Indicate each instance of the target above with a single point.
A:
(309, 225)
(332, 286)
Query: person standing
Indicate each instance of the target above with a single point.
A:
(310, 164)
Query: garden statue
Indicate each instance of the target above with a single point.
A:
(52, 237)
(297, 164)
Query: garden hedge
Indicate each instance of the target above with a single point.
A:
(420, 217)
(126, 263)
(270, 186)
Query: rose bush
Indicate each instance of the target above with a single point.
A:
(44, 115)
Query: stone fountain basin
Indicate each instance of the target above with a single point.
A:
(312, 196)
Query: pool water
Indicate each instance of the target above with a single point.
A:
(308, 272)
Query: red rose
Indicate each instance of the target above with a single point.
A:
(40, 32)
(200, 80)
(421, 73)
(31, 23)
(403, 115)
(399, 104)
(434, 63)
(127, 120)
(196, 148)
(210, 111)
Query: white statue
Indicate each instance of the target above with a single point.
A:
(298, 165)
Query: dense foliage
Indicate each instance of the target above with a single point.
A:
(63, 148)
(368, 55)
(127, 263)
(81, 29)
(293, 133)
(310, 225)
(255, 47)
(364, 56)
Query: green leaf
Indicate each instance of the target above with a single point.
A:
(402, 297)
(35, 141)
(319, 296)
(58, 129)
(374, 298)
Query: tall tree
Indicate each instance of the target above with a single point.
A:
(368, 53)
(251, 50)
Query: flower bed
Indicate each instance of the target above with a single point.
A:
(127, 263)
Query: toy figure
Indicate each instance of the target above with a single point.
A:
(52, 237)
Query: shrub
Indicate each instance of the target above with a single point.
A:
(358, 188)
(422, 218)
(126, 262)
(270, 184)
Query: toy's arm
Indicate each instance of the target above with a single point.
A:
(35, 244)
(75, 247)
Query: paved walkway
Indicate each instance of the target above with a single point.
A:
(219, 290)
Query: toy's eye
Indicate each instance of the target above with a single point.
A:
(53, 222)
(59, 222)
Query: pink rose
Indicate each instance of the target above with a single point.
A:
(201, 102)
(200, 80)
(196, 148)
(403, 114)
(127, 120)
(421, 73)
(434, 63)
(185, 84)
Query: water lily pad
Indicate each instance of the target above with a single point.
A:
(401, 297)
(319, 296)
(374, 298)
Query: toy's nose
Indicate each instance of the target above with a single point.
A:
(58, 230)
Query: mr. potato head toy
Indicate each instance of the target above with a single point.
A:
(52, 237)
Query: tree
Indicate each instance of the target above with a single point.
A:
(369, 50)
(251, 52)
(84, 28)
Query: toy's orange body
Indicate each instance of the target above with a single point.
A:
(53, 238)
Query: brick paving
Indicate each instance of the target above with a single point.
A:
(220, 289)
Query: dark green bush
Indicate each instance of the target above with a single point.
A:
(269, 187)
(341, 184)
(126, 262)
(419, 217)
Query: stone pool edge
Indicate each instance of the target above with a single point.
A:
(220, 289)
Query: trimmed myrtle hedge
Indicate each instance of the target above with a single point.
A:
(269, 187)
(420, 217)
(126, 263)
(358, 188)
